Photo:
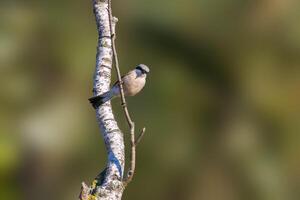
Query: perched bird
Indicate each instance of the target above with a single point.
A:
(133, 83)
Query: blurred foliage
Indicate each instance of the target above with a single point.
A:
(221, 106)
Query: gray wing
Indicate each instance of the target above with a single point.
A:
(118, 83)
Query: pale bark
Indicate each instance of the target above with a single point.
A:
(111, 187)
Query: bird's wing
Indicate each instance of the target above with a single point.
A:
(117, 82)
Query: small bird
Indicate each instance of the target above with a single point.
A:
(133, 83)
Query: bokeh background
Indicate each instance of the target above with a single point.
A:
(221, 106)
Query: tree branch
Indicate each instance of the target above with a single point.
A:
(109, 184)
(140, 137)
(131, 124)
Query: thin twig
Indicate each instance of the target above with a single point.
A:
(123, 100)
(140, 137)
(116, 61)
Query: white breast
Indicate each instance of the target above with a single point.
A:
(133, 84)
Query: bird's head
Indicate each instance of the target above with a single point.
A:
(143, 68)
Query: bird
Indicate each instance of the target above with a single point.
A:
(133, 83)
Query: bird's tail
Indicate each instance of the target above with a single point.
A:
(97, 101)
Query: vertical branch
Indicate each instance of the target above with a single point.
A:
(108, 185)
(131, 124)
(116, 61)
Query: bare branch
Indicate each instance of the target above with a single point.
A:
(124, 105)
(140, 137)
(108, 185)
(116, 61)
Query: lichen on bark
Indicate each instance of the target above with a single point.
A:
(110, 185)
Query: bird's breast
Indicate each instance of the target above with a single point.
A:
(133, 85)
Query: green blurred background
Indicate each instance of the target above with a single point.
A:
(221, 106)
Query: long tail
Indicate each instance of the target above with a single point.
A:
(101, 99)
